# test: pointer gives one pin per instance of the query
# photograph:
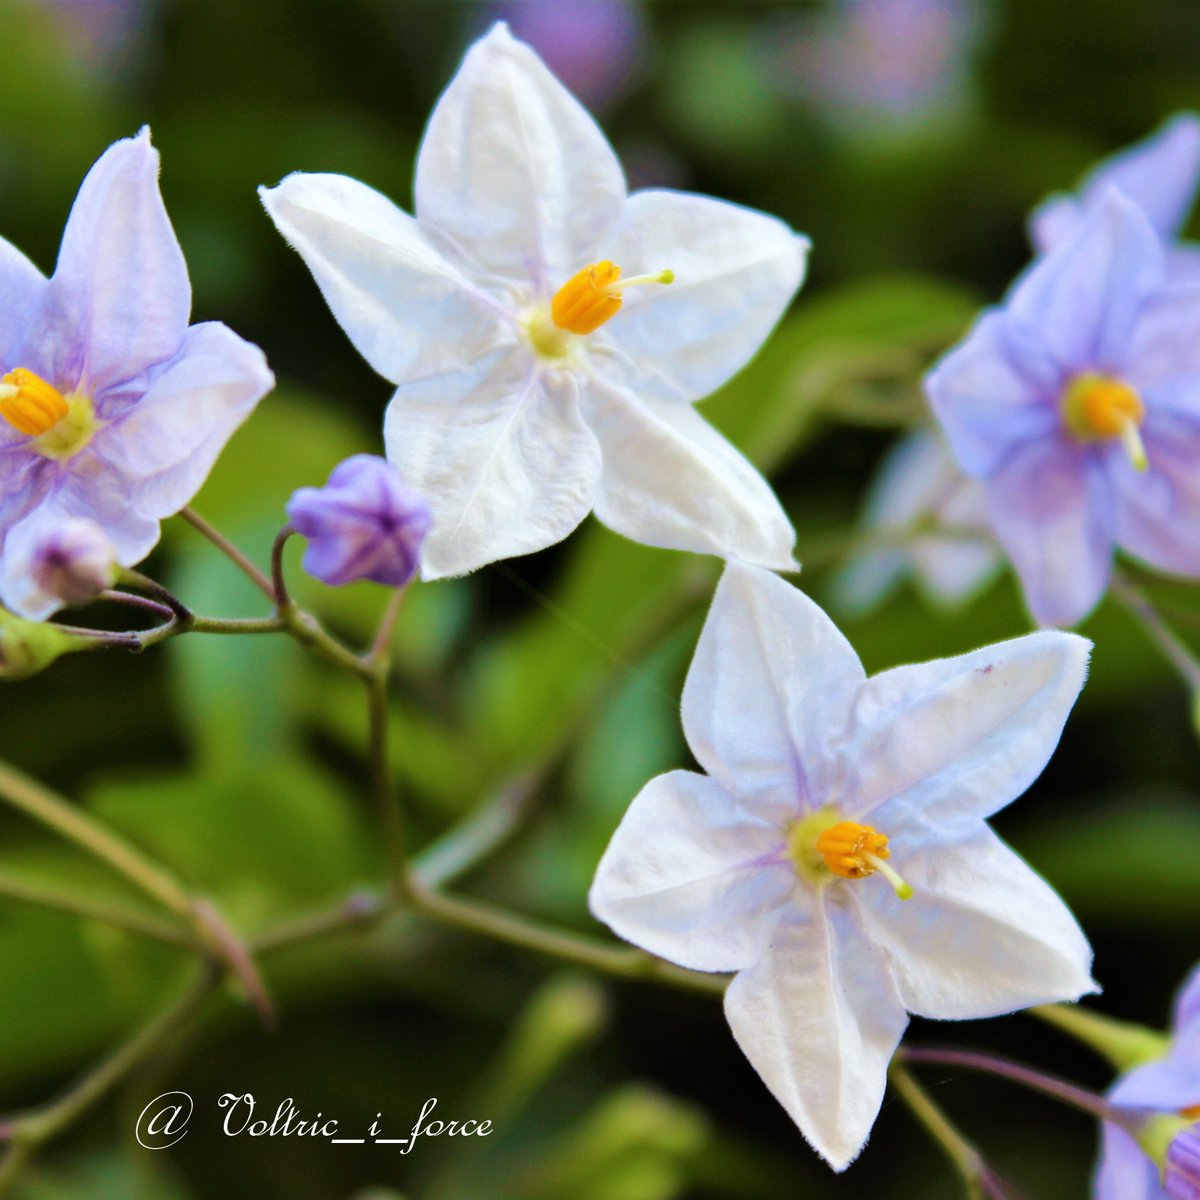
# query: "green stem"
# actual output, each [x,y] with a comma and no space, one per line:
[556,943]
[94,910]
[74,824]
[278,581]
[963,1155]
[1168,642]
[235,625]
[1124,1043]
[230,551]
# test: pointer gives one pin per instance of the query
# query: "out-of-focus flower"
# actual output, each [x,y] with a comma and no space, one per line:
[863,62]
[1160,175]
[102,36]
[1171,1086]
[938,518]
[543,366]
[365,523]
[595,47]
[818,779]
[61,565]
[1075,404]
[111,407]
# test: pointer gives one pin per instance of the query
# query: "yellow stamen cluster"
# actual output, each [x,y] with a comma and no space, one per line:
[821,845]
[592,296]
[1098,407]
[30,404]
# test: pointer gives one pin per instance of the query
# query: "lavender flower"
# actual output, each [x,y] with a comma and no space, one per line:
[112,407]
[1074,403]
[365,523]
[1170,1085]
[69,564]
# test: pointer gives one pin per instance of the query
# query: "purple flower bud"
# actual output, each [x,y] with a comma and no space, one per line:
[74,561]
[1182,1175]
[365,523]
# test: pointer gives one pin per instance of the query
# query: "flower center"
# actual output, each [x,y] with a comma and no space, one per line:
[62,425]
[1099,407]
[592,296]
[823,845]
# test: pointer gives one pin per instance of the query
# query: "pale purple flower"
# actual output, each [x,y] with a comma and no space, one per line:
[112,407]
[548,333]
[936,518]
[771,864]
[1076,404]
[1170,1085]
[594,46]
[65,564]
[1160,175]
[365,523]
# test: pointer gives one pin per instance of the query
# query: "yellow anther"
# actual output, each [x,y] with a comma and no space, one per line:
[855,851]
[1191,1113]
[592,296]
[1099,407]
[30,404]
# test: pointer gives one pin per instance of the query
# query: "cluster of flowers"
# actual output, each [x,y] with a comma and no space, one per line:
[537,381]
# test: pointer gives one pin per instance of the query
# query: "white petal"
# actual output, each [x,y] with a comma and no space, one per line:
[502,456]
[401,295]
[769,690]
[691,877]
[819,1019]
[166,444]
[670,479]
[983,934]
[515,170]
[935,744]
[736,271]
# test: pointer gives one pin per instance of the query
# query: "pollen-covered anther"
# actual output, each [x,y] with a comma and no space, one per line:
[594,295]
[30,404]
[1099,407]
[855,851]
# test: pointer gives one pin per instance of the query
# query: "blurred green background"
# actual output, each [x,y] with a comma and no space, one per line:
[911,160]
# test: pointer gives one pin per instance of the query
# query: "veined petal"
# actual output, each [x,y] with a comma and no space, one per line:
[165,444]
[932,745]
[819,1019]
[768,691]
[993,392]
[1052,510]
[690,876]
[1158,510]
[119,299]
[983,934]
[1124,1172]
[501,454]
[736,271]
[515,170]
[1159,174]
[670,479]
[393,286]
[1081,301]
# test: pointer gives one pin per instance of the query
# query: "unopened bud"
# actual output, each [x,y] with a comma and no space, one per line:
[74,562]
[27,647]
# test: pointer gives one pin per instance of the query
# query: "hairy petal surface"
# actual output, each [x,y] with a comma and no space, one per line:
[983,934]
[515,170]
[736,271]
[401,295]
[819,1019]
[691,876]
[119,299]
[504,460]
[936,744]
[670,479]
[769,689]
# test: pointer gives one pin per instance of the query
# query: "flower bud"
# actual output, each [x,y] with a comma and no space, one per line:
[74,562]
[365,523]
[27,647]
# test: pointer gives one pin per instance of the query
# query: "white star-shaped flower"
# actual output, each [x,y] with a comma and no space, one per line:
[547,332]
[836,854]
